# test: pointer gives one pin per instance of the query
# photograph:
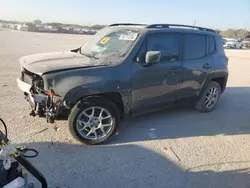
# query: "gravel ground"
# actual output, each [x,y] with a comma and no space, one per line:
[176,148]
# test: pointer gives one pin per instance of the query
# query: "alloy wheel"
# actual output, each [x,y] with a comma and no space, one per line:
[211,97]
[94,123]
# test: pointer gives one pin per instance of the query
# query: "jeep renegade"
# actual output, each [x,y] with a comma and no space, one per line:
[125,70]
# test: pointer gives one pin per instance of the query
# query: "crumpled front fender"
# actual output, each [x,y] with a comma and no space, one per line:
[75,94]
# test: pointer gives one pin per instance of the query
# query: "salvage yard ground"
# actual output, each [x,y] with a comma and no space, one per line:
[174,148]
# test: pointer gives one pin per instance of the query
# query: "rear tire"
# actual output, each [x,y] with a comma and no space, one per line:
[92,122]
[210,95]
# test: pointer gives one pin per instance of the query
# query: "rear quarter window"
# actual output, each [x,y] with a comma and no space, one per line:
[211,40]
[219,45]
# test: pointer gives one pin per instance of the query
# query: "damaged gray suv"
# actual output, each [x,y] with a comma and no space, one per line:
[125,70]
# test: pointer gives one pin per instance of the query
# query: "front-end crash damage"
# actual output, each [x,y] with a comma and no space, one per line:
[55,82]
[43,102]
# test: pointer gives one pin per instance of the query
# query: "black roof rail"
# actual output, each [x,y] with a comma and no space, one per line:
[178,25]
[126,24]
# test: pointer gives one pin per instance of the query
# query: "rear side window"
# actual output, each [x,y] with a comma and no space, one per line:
[194,46]
[219,46]
[211,44]
[167,43]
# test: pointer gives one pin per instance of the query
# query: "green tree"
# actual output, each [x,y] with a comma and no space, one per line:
[242,33]
[228,33]
[218,31]
[56,24]
[235,33]
[37,22]
[97,27]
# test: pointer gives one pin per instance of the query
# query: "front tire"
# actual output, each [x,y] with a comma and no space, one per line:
[209,98]
[94,120]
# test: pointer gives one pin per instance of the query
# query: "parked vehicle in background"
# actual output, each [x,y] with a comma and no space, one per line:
[246,43]
[224,41]
[51,29]
[78,31]
[13,26]
[125,70]
[5,25]
[41,28]
[48,28]
[69,29]
[232,43]
[92,32]
[85,31]
[60,29]
[31,27]
[22,27]
[89,32]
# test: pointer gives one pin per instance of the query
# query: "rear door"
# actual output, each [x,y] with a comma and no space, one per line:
[197,63]
[156,85]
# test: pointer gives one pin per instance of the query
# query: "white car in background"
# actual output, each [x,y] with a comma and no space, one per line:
[232,43]
[246,43]
[51,29]
[41,28]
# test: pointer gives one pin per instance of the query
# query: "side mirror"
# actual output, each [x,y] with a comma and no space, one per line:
[152,57]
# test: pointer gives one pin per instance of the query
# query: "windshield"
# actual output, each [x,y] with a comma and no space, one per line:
[109,42]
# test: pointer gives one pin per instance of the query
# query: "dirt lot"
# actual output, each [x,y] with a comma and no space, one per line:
[175,148]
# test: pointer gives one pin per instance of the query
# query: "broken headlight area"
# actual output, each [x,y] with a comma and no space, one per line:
[43,102]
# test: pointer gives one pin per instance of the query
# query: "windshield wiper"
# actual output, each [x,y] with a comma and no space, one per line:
[89,56]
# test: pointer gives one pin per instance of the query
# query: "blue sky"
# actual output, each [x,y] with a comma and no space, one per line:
[220,14]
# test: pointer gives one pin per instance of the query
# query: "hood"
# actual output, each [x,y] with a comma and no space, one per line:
[57,61]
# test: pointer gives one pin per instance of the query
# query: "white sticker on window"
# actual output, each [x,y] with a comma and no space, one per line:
[131,37]
[98,49]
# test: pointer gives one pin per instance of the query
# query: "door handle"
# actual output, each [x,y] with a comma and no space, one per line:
[207,66]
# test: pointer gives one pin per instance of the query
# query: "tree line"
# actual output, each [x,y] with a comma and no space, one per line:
[234,33]
[230,33]
[57,24]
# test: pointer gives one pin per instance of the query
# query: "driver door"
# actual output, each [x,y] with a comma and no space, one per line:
[156,86]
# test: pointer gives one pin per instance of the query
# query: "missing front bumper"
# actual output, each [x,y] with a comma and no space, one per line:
[31,97]
[41,103]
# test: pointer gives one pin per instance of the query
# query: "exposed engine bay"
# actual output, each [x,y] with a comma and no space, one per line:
[43,102]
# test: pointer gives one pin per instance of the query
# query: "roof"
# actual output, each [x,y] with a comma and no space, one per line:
[164,26]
